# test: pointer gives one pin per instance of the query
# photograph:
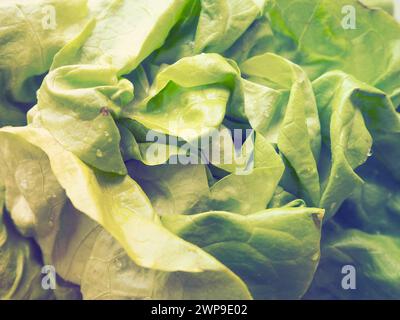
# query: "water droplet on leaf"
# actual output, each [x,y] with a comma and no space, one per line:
[99,153]
[118,264]
[24,184]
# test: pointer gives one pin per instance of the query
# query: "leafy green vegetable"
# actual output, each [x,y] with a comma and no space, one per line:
[124,208]
[364,235]
[30,41]
[374,257]
[20,275]
[323,44]
[237,15]
[298,125]
[199,149]
[260,247]
[352,114]
[94,60]
[185,106]
[60,102]
[123,279]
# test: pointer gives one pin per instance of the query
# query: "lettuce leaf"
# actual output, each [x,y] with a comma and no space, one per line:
[374,257]
[97,58]
[322,44]
[260,247]
[20,276]
[124,209]
[112,175]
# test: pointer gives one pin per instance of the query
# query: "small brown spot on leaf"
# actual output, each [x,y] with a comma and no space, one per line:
[317,220]
[104,111]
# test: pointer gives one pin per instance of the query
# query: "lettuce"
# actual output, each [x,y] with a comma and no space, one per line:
[199,149]
[27,49]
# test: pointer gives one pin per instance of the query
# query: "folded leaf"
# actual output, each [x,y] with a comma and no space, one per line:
[274,251]
[78,104]
[120,206]
[351,114]
[146,24]
[326,40]
[32,32]
[296,130]
[110,274]
[87,71]
[20,270]
[236,16]
[188,99]
[34,198]
[246,192]
[375,206]
[172,189]
[375,261]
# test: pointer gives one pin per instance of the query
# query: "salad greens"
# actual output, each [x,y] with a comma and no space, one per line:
[199,149]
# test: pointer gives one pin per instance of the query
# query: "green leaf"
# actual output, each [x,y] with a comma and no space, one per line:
[34,198]
[387,5]
[146,24]
[73,243]
[282,198]
[222,22]
[246,192]
[78,104]
[351,114]
[274,251]
[296,130]
[84,87]
[10,115]
[375,259]
[387,150]
[209,26]
[179,188]
[32,32]
[172,189]
[20,270]
[120,206]
[375,206]
[110,274]
[150,153]
[188,99]
[323,44]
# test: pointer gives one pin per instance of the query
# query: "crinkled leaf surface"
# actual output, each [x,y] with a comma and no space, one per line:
[32,32]
[322,43]
[120,206]
[351,114]
[296,130]
[375,258]
[20,269]
[87,70]
[261,248]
